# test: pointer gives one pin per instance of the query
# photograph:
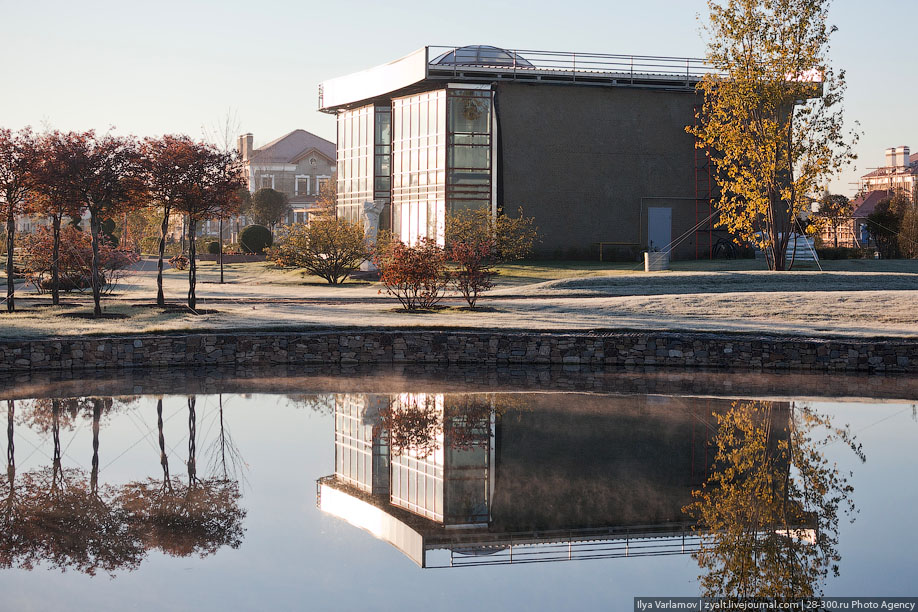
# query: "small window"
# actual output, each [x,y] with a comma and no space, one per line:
[267,181]
[301,186]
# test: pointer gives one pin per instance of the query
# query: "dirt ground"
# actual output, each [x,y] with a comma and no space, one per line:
[850,298]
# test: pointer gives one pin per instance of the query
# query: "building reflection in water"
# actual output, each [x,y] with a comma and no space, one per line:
[66,518]
[463,479]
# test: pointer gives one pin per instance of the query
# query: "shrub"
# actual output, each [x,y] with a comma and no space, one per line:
[179,262]
[416,275]
[830,253]
[255,239]
[74,261]
[213,247]
[328,247]
[473,274]
[513,237]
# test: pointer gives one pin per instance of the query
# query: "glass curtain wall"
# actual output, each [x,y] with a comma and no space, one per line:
[361,452]
[382,169]
[441,159]
[355,161]
[469,149]
[419,166]
[417,473]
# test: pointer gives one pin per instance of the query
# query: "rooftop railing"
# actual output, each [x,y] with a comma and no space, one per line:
[571,66]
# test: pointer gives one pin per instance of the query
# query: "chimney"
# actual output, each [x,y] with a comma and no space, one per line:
[891,157]
[902,154]
[244,146]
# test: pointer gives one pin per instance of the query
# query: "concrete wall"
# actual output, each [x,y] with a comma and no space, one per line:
[580,160]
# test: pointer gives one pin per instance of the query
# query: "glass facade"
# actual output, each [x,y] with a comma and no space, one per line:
[419,166]
[425,155]
[382,163]
[355,161]
[469,149]
[442,474]
[361,453]
[417,477]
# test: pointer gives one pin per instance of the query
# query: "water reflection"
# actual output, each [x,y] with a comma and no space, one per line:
[459,479]
[471,479]
[771,506]
[67,519]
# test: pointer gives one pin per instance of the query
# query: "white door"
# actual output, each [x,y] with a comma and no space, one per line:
[659,228]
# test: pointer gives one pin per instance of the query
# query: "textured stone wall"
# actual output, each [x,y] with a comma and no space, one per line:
[459,347]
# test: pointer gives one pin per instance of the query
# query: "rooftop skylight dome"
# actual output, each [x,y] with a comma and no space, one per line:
[482,55]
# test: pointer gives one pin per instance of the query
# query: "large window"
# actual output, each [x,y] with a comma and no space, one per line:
[382,163]
[355,161]
[419,166]
[441,159]
[469,152]
[361,454]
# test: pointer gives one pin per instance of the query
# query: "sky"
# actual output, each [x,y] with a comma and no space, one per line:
[161,67]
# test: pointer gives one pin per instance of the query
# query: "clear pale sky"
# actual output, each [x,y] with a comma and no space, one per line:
[172,67]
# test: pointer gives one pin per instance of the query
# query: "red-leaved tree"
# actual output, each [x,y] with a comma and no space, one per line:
[107,179]
[169,163]
[17,180]
[211,191]
[55,197]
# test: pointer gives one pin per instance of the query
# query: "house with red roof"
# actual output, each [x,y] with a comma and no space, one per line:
[298,164]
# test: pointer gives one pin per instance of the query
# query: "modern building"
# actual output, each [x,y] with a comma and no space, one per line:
[298,164]
[592,146]
[899,174]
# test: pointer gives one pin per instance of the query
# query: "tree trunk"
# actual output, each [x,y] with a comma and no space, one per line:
[95,227]
[163,458]
[10,286]
[10,447]
[56,468]
[164,229]
[192,266]
[836,236]
[222,438]
[192,442]
[55,256]
[96,419]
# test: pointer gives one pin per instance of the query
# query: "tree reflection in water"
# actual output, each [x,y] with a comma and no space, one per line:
[65,518]
[181,519]
[771,505]
[422,423]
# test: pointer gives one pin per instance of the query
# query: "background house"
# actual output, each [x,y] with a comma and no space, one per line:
[297,164]
[899,174]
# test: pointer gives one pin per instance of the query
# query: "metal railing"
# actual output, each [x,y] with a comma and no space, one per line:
[573,545]
[572,66]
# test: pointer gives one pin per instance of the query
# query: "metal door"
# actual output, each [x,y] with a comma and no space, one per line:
[659,228]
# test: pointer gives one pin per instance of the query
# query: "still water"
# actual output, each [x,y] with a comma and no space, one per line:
[427,489]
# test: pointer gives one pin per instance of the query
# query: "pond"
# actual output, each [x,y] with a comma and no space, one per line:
[416,488]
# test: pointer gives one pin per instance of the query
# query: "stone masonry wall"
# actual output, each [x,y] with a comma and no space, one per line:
[446,347]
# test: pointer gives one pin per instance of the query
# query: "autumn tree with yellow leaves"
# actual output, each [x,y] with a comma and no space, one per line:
[771,117]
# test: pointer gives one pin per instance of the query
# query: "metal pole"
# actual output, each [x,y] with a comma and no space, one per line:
[221,250]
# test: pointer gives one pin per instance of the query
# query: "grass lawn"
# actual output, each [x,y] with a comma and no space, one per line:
[848,298]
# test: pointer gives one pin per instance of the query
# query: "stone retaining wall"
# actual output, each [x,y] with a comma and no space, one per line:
[446,347]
